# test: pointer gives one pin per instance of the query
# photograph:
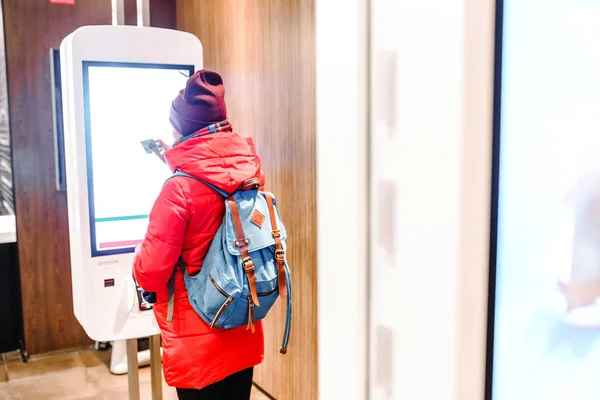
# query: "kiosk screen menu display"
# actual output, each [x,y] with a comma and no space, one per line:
[125,105]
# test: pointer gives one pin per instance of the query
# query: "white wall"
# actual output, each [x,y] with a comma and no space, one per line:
[429,170]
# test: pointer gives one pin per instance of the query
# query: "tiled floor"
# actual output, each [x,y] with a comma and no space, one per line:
[80,375]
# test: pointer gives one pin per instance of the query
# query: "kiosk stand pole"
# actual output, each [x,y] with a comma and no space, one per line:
[143,12]
[143,19]
[118,12]
[155,367]
[133,373]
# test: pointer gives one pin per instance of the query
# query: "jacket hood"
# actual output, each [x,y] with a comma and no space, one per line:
[224,159]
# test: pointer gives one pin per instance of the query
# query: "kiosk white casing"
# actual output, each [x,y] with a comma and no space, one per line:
[107,312]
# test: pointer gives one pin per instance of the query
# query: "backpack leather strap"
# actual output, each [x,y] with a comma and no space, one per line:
[242,244]
[279,251]
[250,184]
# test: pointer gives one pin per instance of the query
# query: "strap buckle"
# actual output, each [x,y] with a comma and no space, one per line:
[245,261]
[276,234]
[280,255]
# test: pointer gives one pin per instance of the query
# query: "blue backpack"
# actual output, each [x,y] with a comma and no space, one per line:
[245,269]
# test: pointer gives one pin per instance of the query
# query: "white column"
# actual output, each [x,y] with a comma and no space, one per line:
[341,100]
[425,154]
[432,69]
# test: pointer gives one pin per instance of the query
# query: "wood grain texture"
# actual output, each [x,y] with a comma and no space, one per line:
[265,51]
[130,11]
[32,28]
[163,14]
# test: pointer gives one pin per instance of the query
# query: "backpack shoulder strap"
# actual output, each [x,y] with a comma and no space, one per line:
[171,288]
[210,185]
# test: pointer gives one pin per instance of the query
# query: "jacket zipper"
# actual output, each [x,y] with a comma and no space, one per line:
[224,306]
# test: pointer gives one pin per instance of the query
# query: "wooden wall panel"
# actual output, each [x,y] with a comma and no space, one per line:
[163,14]
[265,51]
[32,28]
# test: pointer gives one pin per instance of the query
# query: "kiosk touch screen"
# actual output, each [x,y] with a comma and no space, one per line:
[125,104]
[546,280]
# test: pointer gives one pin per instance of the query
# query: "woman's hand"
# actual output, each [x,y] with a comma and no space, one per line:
[160,148]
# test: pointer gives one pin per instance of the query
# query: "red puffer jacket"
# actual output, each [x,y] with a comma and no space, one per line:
[183,221]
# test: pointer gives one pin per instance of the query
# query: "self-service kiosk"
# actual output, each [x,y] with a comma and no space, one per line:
[117,86]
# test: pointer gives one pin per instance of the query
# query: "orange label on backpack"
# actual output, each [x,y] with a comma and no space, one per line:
[257,218]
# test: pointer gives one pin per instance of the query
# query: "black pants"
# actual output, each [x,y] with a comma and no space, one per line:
[235,387]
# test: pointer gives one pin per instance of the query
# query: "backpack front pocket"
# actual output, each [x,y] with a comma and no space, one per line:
[221,310]
[267,300]
[246,313]
[212,301]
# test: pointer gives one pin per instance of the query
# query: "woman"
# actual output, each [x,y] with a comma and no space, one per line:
[201,363]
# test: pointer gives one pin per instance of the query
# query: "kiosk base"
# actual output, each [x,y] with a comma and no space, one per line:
[118,359]
[126,359]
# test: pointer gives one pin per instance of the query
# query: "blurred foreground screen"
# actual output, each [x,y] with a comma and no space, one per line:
[547,304]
